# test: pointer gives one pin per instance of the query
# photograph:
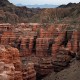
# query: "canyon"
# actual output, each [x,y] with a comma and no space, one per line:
[39,44]
[31,51]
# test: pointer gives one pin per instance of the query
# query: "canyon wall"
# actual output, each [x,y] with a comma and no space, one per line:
[29,49]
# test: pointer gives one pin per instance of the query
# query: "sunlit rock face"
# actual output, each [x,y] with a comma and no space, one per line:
[8,38]
[7,71]
[11,66]
[43,46]
[33,49]
[11,63]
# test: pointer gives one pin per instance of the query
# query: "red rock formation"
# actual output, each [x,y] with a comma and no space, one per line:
[10,55]
[24,47]
[7,38]
[31,71]
[49,33]
[69,45]
[45,66]
[57,41]
[6,71]
[75,41]
[6,27]
[48,43]
[31,44]
[12,65]
[42,46]
[35,27]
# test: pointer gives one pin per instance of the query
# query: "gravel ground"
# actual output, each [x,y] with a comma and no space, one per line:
[70,73]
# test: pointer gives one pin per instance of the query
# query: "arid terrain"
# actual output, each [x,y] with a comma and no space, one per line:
[9,13]
[39,44]
[30,51]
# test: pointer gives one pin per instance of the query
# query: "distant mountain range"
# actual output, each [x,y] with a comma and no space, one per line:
[39,6]
[10,13]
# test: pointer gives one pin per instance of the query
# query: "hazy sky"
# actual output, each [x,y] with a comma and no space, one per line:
[55,2]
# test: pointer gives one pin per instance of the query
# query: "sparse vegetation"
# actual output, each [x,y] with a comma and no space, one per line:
[10,13]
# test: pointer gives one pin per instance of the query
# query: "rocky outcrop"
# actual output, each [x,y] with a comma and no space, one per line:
[43,46]
[5,3]
[70,73]
[44,67]
[37,50]
[12,67]
[10,57]
[7,71]
[8,38]
[49,33]
[57,43]
[29,72]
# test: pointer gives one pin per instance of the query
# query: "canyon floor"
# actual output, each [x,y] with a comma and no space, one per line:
[70,73]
